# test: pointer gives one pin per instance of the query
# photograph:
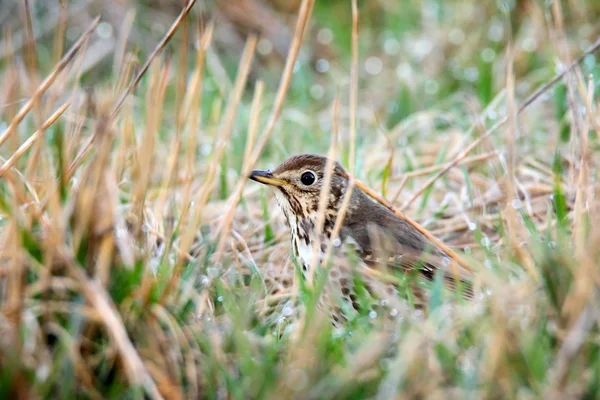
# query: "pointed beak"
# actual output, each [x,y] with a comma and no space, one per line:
[266,177]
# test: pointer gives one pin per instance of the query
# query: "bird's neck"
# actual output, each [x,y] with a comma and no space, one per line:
[302,222]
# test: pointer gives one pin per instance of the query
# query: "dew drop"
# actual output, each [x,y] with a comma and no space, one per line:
[264,46]
[471,74]
[322,65]
[403,72]
[104,30]
[372,314]
[391,46]
[423,47]
[287,311]
[373,65]
[325,35]
[496,31]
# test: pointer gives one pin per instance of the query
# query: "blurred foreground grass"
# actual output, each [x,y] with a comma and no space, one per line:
[144,266]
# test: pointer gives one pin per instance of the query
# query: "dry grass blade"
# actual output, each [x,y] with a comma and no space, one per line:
[513,225]
[133,84]
[58,68]
[32,139]
[325,190]
[582,196]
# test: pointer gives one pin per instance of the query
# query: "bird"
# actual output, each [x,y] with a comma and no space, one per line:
[381,239]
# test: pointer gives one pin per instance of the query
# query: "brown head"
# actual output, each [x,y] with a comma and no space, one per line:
[298,182]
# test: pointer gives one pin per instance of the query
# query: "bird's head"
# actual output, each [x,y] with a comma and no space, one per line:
[298,182]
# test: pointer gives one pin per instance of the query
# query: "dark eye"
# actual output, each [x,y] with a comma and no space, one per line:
[308,178]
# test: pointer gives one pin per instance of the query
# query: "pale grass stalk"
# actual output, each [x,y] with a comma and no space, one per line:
[353,88]
[121,46]
[591,107]
[180,83]
[131,87]
[528,101]
[195,111]
[167,177]
[58,46]
[93,185]
[31,60]
[514,227]
[107,242]
[221,142]
[32,139]
[325,191]
[41,89]
[340,217]
[400,188]
[11,95]
[253,124]
[581,197]
[225,226]
[125,74]
[127,145]
[584,286]
[145,154]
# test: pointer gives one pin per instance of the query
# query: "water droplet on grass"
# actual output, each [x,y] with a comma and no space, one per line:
[391,46]
[264,46]
[322,65]
[373,65]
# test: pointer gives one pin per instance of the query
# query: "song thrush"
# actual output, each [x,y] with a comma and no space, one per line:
[381,239]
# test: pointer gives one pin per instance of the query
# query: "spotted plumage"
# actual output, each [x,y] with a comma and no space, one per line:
[381,239]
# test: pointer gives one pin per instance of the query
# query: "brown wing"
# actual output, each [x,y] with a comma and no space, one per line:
[403,247]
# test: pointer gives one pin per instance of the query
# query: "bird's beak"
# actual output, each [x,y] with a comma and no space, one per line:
[266,177]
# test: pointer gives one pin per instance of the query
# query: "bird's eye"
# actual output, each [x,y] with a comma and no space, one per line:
[308,178]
